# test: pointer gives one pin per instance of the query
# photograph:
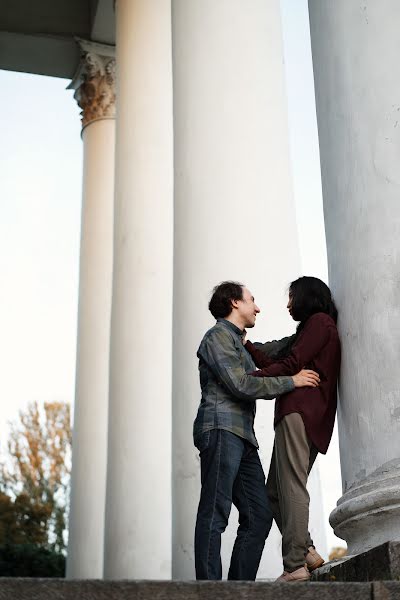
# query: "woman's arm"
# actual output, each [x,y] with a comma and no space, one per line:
[274,348]
[261,360]
[312,339]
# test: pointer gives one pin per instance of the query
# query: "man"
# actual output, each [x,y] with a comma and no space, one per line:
[223,432]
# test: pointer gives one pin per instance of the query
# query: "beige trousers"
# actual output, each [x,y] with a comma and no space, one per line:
[292,459]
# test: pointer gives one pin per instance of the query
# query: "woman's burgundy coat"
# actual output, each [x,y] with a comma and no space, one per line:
[317,348]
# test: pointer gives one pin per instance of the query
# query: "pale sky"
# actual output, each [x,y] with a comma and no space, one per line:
[40,199]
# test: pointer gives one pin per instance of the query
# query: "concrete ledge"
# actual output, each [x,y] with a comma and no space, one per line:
[381,563]
[56,589]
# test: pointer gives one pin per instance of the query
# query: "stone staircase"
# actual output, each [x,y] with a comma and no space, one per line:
[60,589]
[372,575]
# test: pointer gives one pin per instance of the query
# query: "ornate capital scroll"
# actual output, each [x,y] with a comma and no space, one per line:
[94,82]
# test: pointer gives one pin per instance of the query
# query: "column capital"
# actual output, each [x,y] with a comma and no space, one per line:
[94,81]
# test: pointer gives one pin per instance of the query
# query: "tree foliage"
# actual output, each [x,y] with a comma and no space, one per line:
[22,521]
[29,560]
[35,477]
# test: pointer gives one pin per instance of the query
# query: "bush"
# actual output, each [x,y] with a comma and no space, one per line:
[29,560]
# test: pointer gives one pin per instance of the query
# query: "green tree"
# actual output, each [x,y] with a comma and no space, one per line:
[24,540]
[29,560]
[36,474]
[22,521]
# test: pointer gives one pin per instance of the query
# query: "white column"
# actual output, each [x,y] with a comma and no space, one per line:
[356,49]
[95,94]
[234,215]
[138,507]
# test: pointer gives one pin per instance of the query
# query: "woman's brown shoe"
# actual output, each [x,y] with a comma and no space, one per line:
[313,559]
[301,574]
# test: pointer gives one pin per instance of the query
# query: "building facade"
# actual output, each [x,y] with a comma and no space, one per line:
[186,183]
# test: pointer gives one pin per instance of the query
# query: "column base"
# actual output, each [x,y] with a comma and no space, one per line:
[368,514]
[378,564]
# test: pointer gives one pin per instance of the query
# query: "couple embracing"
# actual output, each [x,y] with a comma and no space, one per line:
[301,372]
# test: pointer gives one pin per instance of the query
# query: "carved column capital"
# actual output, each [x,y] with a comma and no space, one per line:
[94,82]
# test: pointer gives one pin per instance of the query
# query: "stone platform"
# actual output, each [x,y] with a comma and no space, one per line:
[379,563]
[56,589]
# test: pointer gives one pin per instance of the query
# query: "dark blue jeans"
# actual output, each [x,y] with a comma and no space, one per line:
[231,471]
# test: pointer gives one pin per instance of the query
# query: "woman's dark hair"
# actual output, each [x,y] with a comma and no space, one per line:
[220,304]
[310,295]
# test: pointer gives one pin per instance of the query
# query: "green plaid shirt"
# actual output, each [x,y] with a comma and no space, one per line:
[228,394]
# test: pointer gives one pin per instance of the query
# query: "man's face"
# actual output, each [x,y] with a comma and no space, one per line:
[247,309]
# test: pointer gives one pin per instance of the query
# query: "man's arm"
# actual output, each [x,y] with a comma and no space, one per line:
[218,351]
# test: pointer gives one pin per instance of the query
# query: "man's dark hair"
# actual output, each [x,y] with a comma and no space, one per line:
[310,295]
[220,304]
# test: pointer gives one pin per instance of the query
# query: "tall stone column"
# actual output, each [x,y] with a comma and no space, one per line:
[356,49]
[234,215]
[95,94]
[138,507]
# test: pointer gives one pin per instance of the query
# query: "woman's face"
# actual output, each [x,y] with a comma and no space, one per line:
[289,305]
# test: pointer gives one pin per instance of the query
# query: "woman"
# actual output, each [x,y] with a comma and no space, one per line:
[304,418]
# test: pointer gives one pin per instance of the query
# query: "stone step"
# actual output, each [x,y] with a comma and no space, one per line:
[60,589]
[377,564]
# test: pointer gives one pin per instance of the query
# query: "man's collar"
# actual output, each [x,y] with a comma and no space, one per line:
[231,326]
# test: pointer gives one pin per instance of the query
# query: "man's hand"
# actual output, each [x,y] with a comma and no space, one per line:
[306,378]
